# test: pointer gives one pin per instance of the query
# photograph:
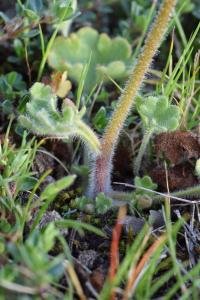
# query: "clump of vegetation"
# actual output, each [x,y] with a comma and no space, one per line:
[99,196]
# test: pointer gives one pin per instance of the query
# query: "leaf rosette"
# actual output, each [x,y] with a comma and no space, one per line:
[158,114]
[108,56]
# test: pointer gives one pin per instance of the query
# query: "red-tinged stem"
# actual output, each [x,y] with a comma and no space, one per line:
[116,234]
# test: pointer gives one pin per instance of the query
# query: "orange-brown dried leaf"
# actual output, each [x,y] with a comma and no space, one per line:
[97,278]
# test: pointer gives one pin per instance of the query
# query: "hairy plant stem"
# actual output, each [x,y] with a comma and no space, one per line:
[88,136]
[142,150]
[100,180]
[191,192]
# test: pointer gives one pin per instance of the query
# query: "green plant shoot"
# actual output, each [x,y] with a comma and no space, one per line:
[42,117]
[157,116]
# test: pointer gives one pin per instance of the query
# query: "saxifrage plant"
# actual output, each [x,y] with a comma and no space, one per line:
[44,118]
[157,116]
[107,56]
